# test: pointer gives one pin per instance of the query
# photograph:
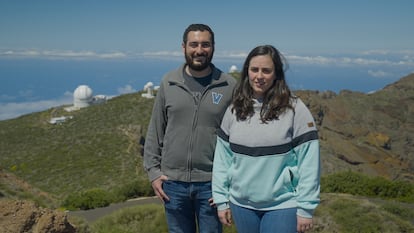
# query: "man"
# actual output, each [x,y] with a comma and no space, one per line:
[181,138]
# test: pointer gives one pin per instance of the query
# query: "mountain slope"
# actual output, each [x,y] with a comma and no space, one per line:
[369,133]
[100,146]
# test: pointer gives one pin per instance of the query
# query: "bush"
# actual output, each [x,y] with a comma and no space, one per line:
[90,199]
[359,184]
[95,198]
[137,188]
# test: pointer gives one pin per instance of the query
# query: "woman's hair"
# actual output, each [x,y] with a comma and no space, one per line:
[276,100]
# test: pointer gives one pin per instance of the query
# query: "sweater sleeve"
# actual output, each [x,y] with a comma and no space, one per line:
[155,137]
[306,147]
[221,165]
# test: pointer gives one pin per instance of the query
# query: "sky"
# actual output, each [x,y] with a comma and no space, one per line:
[155,25]
[376,37]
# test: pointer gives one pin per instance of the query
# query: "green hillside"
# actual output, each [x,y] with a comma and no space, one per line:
[98,148]
[366,152]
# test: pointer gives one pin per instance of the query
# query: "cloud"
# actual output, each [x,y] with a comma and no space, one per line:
[7,98]
[388,52]
[12,109]
[26,94]
[365,58]
[163,54]
[126,89]
[231,54]
[59,54]
[320,60]
[378,73]
[376,52]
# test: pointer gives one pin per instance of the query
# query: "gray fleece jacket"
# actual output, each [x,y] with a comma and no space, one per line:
[181,136]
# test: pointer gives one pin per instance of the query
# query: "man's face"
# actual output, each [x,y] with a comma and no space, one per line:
[198,50]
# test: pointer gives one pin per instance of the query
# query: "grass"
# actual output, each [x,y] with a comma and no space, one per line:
[138,219]
[357,214]
[337,213]
[98,148]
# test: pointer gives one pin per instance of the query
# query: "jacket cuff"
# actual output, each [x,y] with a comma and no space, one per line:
[223,206]
[304,213]
[154,173]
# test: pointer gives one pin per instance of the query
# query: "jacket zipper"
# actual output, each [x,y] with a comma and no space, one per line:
[197,103]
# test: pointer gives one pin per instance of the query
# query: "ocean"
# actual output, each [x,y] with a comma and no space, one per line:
[33,80]
[29,85]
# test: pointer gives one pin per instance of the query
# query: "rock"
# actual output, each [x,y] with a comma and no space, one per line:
[19,216]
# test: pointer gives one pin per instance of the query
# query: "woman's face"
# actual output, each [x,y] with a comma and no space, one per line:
[261,75]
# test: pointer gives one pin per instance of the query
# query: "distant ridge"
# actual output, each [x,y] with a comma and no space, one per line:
[369,133]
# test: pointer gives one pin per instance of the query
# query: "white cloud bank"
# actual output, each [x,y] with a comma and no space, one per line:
[13,110]
[126,89]
[366,58]
[378,73]
[57,54]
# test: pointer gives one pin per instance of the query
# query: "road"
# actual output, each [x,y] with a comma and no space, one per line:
[95,214]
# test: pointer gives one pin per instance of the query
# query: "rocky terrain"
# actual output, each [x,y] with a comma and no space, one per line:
[24,216]
[369,133]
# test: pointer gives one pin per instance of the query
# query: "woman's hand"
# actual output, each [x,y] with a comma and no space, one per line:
[225,217]
[304,224]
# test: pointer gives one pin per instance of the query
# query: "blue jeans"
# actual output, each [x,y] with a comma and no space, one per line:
[272,221]
[189,206]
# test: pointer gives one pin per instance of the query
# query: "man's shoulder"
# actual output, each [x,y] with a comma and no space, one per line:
[172,75]
[225,76]
[230,79]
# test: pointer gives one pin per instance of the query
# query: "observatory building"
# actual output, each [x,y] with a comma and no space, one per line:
[233,69]
[82,97]
[149,90]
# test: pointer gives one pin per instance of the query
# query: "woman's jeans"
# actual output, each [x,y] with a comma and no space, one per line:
[189,205]
[255,221]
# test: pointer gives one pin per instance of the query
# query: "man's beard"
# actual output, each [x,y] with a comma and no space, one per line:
[198,66]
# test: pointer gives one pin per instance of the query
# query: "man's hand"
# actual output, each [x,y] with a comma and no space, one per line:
[225,217]
[211,202]
[157,186]
[304,224]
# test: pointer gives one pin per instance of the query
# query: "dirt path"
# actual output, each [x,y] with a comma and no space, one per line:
[94,214]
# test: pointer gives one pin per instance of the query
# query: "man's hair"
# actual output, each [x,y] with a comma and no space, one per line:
[197,27]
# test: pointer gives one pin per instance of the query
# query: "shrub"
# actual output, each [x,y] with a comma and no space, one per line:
[89,199]
[359,184]
[137,188]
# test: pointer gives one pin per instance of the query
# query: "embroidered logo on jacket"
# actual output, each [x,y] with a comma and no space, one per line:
[216,97]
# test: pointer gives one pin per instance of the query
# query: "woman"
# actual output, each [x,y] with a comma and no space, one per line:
[266,168]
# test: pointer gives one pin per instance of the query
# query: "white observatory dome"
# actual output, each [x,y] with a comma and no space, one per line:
[82,97]
[233,69]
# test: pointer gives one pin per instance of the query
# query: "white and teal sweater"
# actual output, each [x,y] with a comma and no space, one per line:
[268,166]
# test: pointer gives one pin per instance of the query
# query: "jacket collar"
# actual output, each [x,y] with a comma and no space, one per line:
[179,79]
